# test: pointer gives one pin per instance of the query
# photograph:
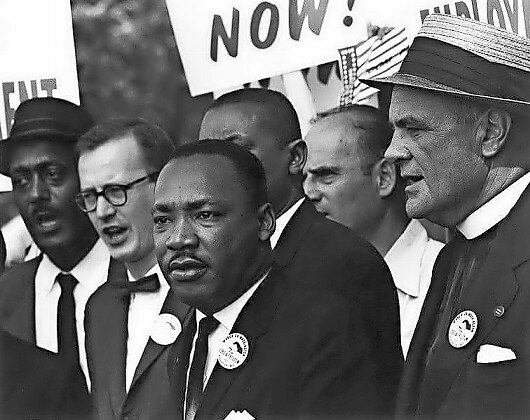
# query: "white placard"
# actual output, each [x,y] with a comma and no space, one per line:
[225,43]
[37,54]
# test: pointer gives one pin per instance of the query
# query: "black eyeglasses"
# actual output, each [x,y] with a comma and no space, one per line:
[115,194]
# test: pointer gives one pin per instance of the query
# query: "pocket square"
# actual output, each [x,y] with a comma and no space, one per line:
[488,353]
[239,415]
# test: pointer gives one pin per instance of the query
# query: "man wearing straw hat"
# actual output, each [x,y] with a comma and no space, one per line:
[460,106]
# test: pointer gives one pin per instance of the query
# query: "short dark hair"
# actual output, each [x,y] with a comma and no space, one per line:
[278,110]
[155,144]
[246,164]
[374,124]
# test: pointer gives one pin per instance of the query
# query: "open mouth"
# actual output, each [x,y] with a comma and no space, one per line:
[186,269]
[45,220]
[114,234]
[411,180]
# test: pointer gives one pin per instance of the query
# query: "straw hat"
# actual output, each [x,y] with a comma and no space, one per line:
[467,58]
[49,118]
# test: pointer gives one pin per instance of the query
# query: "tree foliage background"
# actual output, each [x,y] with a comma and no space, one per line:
[128,65]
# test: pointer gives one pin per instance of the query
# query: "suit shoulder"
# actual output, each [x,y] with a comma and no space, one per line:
[13,276]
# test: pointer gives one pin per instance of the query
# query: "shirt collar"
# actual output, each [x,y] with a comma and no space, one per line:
[402,258]
[88,272]
[282,221]
[155,269]
[228,315]
[493,211]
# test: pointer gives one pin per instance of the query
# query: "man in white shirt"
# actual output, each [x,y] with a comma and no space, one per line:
[348,179]
[42,301]
[262,347]
[459,107]
[312,251]
[118,165]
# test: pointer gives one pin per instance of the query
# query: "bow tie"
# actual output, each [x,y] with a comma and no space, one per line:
[145,284]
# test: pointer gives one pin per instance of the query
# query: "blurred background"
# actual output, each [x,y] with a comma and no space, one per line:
[128,65]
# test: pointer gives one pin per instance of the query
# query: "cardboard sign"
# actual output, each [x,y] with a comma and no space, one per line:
[512,15]
[37,54]
[225,43]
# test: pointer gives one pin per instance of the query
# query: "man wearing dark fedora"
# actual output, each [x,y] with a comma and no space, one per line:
[42,356]
[460,106]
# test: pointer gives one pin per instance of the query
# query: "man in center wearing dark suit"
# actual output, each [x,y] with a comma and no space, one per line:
[132,320]
[312,251]
[262,348]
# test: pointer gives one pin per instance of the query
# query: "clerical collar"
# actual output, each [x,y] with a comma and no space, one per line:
[493,211]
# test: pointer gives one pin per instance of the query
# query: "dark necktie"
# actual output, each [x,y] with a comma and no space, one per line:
[66,325]
[147,284]
[76,392]
[195,381]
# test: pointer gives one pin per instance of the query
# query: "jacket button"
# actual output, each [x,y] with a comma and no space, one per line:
[498,311]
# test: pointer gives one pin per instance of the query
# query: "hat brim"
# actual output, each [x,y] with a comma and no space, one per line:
[409,80]
[45,133]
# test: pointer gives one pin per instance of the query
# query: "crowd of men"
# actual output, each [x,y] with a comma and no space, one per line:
[258,274]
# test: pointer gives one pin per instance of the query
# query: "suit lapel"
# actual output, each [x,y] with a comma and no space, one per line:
[253,322]
[294,233]
[153,350]
[20,320]
[495,285]
[114,335]
[179,358]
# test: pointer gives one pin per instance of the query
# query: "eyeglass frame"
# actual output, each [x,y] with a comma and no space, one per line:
[125,187]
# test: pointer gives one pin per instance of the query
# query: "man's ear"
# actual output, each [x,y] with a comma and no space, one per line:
[297,156]
[384,176]
[494,126]
[267,221]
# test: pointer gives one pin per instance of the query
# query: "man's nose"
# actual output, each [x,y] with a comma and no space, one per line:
[311,189]
[397,151]
[39,189]
[182,235]
[104,210]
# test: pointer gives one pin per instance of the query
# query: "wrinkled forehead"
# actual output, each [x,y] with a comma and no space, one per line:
[200,177]
[31,153]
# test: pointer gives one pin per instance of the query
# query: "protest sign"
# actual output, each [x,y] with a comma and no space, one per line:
[512,15]
[37,54]
[225,43]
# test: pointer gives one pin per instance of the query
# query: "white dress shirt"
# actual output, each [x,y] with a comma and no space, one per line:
[144,308]
[227,318]
[493,211]
[411,259]
[91,272]
[281,222]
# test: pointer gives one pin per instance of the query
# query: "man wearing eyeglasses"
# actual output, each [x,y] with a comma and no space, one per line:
[132,322]
[43,369]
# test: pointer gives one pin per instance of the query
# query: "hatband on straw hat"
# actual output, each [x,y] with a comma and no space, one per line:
[467,58]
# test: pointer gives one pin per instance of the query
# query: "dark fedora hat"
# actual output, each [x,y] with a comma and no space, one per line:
[44,118]
[463,57]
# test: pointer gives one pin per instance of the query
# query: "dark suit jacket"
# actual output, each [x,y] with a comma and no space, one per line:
[307,358]
[315,252]
[106,340]
[454,384]
[32,380]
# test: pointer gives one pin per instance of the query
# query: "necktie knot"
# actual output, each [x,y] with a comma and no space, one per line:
[207,325]
[67,283]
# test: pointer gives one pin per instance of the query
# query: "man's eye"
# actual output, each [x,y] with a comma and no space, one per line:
[160,220]
[53,173]
[206,215]
[20,181]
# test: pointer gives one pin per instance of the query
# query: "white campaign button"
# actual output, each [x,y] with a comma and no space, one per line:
[166,329]
[233,351]
[462,329]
